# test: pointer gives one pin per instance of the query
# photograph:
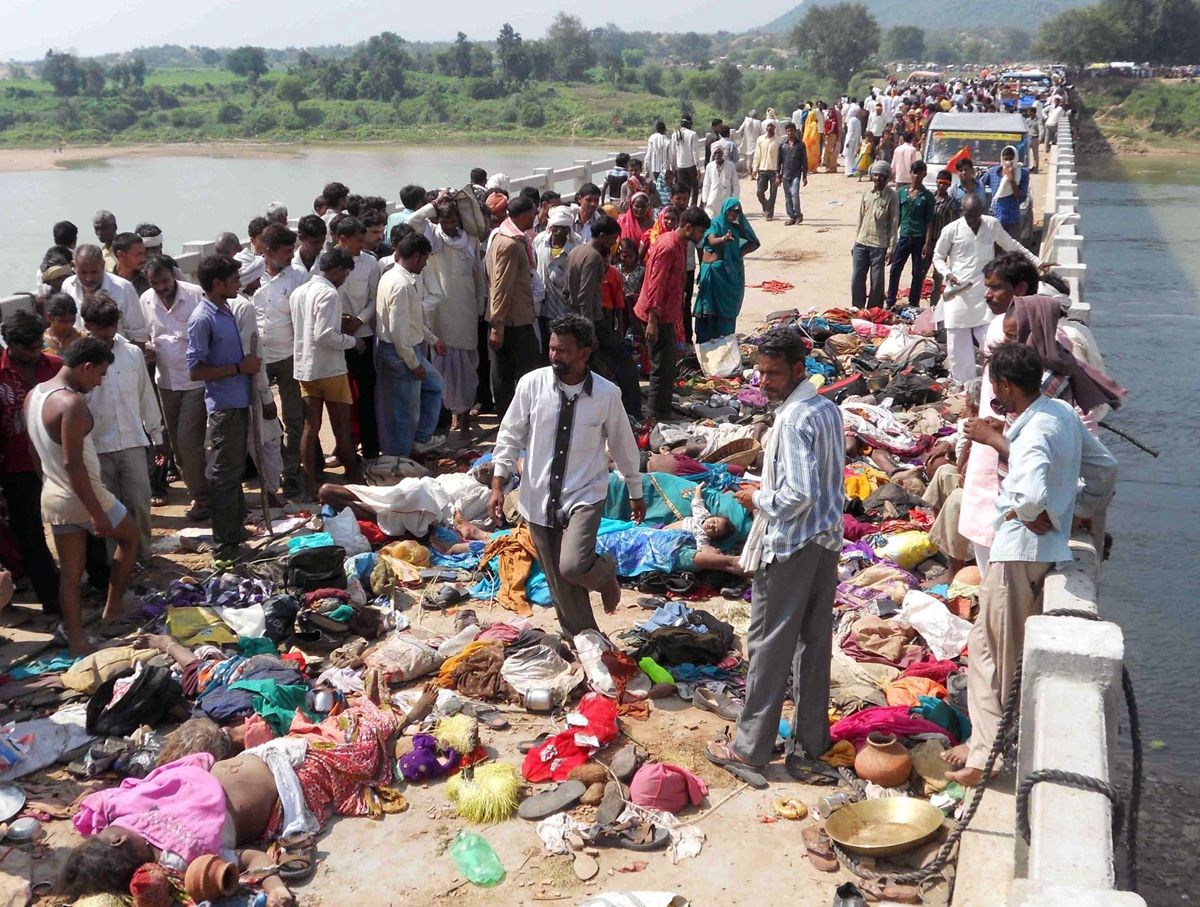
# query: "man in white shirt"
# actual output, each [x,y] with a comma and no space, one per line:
[168,305]
[750,130]
[684,160]
[124,410]
[321,338]
[656,150]
[962,250]
[568,420]
[273,312]
[358,303]
[310,242]
[1048,450]
[1053,118]
[409,394]
[720,182]
[877,120]
[905,155]
[90,277]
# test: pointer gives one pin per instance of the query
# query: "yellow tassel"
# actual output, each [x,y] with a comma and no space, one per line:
[459,732]
[485,793]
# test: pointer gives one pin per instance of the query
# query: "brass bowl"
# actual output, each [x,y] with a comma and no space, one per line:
[880,828]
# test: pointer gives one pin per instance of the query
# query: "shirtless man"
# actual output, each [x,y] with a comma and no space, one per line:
[74,500]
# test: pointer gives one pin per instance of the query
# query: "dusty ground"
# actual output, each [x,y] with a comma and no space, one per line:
[747,859]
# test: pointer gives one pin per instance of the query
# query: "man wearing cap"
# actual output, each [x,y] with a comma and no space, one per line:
[551,247]
[878,226]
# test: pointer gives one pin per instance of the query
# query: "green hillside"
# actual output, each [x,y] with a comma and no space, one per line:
[934,15]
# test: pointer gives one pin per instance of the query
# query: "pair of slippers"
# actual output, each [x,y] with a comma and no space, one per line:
[446,597]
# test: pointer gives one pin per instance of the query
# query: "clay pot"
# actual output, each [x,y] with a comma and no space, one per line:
[209,877]
[883,761]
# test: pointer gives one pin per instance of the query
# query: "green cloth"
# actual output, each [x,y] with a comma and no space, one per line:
[274,702]
[916,210]
[668,500]
[342,614]
[260,645]
[723,282]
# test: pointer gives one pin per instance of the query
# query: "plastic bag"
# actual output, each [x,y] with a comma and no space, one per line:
[721,357]
[402,658]
[589,646]
[944,633]
[343,528]
[539,667]
[907,549]
[895,344]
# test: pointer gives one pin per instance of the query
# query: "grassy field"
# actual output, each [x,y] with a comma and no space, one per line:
[209,105]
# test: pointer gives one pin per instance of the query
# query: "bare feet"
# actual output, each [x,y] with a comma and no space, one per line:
[957,756]
[610,597]
[967,777]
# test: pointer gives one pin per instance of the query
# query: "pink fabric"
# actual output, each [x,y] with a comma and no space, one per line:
[503,633]
[630,228]
[885,719]
[508,228]
[591,726]
[854,529]
[981,484]
[179,807]
[934,670]
[666,787]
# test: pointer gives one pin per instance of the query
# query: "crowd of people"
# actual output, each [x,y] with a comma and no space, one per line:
[547,312]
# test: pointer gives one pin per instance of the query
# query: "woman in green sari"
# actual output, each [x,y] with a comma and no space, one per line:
[723,273]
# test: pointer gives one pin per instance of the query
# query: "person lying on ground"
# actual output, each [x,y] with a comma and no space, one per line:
[703,525]
[200,805]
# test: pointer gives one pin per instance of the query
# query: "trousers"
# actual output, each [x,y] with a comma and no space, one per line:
[124,473]
[768,186]
[791,197]
[907,248]
[23,494]
[408,407]
[361,367]
[573,568]
[518,355]
[282,374]
[229,432]
[615,358]
[1010,594]
[960,351]
[791,629]
[662,371]
[187,424]
[864,259]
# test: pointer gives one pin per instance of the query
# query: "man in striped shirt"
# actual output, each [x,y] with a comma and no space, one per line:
[793,550]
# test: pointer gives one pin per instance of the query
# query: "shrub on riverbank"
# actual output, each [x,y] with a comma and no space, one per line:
[1145,109]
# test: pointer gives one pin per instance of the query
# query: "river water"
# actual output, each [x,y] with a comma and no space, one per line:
[1143,257]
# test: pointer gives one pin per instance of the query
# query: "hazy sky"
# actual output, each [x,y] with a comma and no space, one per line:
[88,27]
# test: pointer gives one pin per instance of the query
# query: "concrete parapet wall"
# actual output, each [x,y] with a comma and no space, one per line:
[1071,691]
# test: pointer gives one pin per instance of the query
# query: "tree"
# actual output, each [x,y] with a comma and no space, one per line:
[247,61]
[137,70]
[511,58]
[1082,36]
[291,89]
[572,46]
[461,56]
[904,42]
[727,92]
[93,79]
[63,72]
[837,40]
[614,70]
[209,57]
[652,78]
[1175,32]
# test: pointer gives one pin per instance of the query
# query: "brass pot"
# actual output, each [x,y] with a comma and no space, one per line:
[881,827]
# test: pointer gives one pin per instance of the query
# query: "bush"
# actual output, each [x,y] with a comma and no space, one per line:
[311,116]
[532,115]
[119,118]
[485,89]
[229,113]
[263,121]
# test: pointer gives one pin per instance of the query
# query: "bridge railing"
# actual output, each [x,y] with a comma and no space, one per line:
[1071,694]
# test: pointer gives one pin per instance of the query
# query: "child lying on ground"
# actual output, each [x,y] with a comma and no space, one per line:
[704,527]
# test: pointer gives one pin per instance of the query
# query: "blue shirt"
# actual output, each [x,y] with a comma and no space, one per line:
[214,339]
[808,495]
[959,193]
[1007,210]
[1049,450]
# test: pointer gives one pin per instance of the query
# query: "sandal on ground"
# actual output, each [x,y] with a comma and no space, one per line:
[445,597]
[486,714]
[720,753]
[158,500]
[526,745]
[555,800]
[644,836]
[651,602]
[820,850]
[811,771]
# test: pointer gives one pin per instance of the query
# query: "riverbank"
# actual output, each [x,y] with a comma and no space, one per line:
[18,160]
[1145,117]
